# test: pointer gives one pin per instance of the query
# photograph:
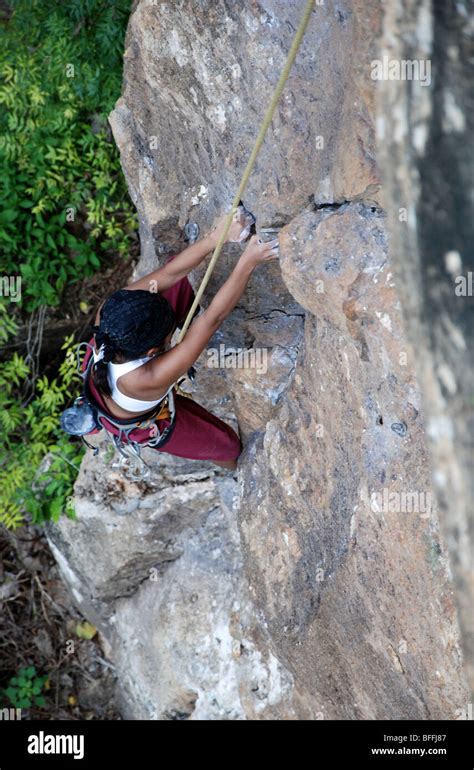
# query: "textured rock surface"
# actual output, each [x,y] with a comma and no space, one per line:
[157,567]
[198,77]
[343,577]
[425,154]
[301,588]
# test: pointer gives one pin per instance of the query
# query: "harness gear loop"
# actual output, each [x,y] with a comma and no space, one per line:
[258,143]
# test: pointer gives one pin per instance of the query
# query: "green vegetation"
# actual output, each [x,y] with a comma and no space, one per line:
[24,690]
[30,435]
[64,211]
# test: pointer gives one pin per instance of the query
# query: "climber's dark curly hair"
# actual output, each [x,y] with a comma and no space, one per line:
[131,322]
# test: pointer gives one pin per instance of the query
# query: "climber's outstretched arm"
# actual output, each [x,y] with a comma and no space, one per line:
[171,365]
[164,277]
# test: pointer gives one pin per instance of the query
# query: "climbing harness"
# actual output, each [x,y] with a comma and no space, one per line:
[86,416]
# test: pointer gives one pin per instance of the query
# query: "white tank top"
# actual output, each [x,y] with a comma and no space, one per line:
[126,402]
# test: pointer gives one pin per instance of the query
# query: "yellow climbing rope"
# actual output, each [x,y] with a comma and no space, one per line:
[258,143]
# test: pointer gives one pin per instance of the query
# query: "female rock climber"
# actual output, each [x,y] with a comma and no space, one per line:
[134,369]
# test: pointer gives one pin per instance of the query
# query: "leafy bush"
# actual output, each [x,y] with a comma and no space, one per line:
[64,209]
[30,438]
[63,200]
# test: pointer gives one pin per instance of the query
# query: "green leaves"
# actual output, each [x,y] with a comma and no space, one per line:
[64,209]
[25,690]
[57,78]
[30,434]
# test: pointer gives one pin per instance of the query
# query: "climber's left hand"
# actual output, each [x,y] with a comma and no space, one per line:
[237,231]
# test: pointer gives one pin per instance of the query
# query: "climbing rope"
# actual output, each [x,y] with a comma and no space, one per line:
[258,143]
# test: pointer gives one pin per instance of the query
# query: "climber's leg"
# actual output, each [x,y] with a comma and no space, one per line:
[200,435]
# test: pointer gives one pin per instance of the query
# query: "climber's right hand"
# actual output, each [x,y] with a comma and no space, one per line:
[260,251]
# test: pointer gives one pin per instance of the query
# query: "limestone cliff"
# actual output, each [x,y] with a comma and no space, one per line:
[303,586]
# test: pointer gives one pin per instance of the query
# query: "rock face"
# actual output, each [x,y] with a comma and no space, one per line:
[425,155]
[157,567]
[313,584]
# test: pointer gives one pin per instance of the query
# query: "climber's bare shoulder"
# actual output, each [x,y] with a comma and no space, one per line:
[166,368]
[153,379]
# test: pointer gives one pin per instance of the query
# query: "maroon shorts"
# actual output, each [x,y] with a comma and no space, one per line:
[197,433]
